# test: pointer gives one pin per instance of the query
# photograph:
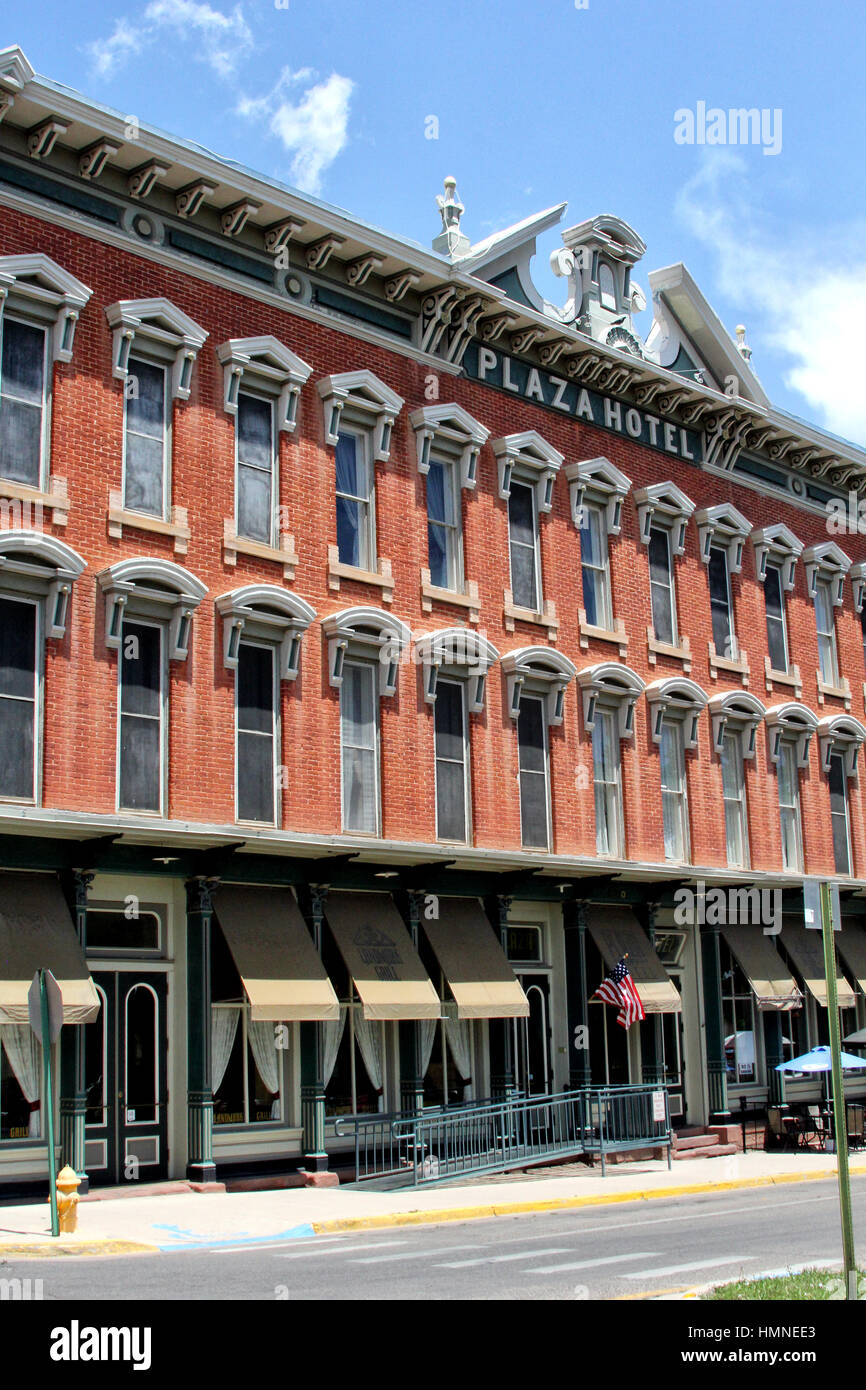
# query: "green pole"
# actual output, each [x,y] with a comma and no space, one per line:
[840,1124]
[48,1103]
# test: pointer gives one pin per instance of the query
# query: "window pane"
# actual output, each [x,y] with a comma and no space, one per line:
[255,689]
[255,747]
[839,814]
[533,773]
[774,601]
[530,736]
[17,720]
[450,762]
[255,777]
[349,532]
[140,676]
[22,381]
[145,471]
[448,715]
[440,499]
[523,588]
[521,523]
[23,369]
[437,551]
[139,763]
[521,514]
[17,697]
[661,586]
[254,504]
[350,466]
[140,670]
[145,405]
[720,604]
[17,648]
[673,792]
[450,801]
[255,432]
[358,733]
[20,441]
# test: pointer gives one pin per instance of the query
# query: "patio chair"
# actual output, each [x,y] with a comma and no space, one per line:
[778,1130]
[855,1126]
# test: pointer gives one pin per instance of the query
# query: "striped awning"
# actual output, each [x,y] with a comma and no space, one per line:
[773,986]
[279,966]
[805,946]
[617,933]
[473,962]
[380,957]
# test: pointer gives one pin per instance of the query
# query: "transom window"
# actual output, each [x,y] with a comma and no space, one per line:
[594,566]
[146,438]
[533,773]
[356,529]
[256,693]
[23,396]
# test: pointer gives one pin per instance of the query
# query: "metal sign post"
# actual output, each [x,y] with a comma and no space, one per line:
[829,922]
[45,1007]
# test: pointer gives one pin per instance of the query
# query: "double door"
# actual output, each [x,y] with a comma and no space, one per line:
[125,1061]
[533,1066]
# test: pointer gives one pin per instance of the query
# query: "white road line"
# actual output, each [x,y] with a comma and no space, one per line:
[500,1259]
[413,1255]
[669,1220]
[267,1247]
[694,1264]
[345,1249]
[591,1264]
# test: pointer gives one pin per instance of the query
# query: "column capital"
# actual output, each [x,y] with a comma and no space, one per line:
[199,894]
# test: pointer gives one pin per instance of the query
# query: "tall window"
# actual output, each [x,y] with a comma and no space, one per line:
[839,814]
[674,802]
[607,784]
[532,764]
[721,608]
[355,511]
[23,384]
[443,528]
[594,563]
[145,438]
[825,622]
[255,468]
[18,691]
[142,690]
[452,764]
[789,808]
[523,543]
[662,586]
[777,632]
[256,733]
[247,1067]
[734,796]
[738,1012]
[359,744]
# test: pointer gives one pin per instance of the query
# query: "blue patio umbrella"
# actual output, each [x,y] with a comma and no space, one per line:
[819,1060]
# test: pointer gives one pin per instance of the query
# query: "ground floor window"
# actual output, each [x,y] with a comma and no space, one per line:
[446,1045]
[247,1055]
[738,1011]
[608,1042]
[20,1082]
[354,1063]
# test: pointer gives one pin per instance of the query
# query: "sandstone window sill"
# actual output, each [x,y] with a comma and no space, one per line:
[655,649]
[545,617]
[337,572]
[119,516]
[590,633]
[740,667]
[791,679]
[833,692]
[34,499]
[431,593]
[235,545]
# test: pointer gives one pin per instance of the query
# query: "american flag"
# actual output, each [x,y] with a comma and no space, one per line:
[619,988]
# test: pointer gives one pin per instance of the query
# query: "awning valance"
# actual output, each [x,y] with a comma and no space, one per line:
[473,962]
[851,941]
[279,966]
[771,984]
[806,948]
[617,933]
[380,957]
[37,932]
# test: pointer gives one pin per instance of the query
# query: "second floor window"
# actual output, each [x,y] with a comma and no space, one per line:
[359,748]
[720,605]
[594,564]
[607,785]
[662,586]
[734,796]
[452,763]
[523,543]
[356,531]
[256,488]
[18,699]
[777,632]
[145,438]
[674,800]
[789,808]
[828,662]
[839,814]
[23,383]
[142,699]
[443,528]
[533,774]
[256,734]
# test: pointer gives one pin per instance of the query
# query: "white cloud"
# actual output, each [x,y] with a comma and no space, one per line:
[107,55]
[313,128]
[220,40]
[804,294]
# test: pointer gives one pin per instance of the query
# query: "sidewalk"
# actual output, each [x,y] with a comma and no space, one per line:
[190,1220]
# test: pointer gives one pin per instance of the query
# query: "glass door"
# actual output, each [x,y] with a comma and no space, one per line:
[125,1076]
[532,1050]
[674,1059]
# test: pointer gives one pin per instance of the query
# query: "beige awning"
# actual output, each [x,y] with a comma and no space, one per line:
[37,933]
[278,963]
[772,985]
[380,957]
[617,933]
[805,946]
[851,941]
[474,963]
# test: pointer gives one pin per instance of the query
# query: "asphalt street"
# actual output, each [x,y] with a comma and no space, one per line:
[610,1252]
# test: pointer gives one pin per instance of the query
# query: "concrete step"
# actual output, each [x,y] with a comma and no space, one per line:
[710,1151]
[701,1140]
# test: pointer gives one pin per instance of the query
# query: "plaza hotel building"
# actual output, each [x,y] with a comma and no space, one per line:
[383,648]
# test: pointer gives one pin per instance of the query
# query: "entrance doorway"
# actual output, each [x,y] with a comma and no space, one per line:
[674,1057]
[125,1064]
[532,1050]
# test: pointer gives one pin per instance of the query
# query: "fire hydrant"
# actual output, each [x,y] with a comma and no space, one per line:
[68,1183]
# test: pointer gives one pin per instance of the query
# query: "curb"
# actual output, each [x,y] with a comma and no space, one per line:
[94,1247]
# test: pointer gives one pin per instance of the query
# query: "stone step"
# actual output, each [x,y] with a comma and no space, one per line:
[710,1151]
[701,1140]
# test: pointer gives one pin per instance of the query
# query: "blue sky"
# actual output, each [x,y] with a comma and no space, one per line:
[537,102]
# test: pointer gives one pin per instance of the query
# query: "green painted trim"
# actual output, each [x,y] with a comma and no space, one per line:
[221,255]
[360,309]
[56,192]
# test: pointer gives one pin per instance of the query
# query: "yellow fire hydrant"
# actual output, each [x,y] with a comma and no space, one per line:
[68,1183]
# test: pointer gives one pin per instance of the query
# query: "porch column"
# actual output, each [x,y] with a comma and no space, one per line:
[200,1166]
[73,1091]
[312,1052]
[502,1081]
[651,1035]
[717,1071]
[577,994]
[774,1053]
[411,1080]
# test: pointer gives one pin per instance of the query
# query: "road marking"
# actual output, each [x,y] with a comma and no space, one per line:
[414,1255]
[721,1210]
[694,1264]
[591,1264]
[500,1259]
[346,1249]
[312,1242]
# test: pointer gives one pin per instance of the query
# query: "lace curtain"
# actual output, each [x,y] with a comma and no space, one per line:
[267,1059]
[426,1037]
[333,1036]
[458,1032]
[25,1059]
[223,1030]
[369,1039]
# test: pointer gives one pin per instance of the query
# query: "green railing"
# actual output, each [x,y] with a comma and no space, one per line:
[442,1144]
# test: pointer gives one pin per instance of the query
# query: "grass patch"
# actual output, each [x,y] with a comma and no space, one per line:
[819,1285]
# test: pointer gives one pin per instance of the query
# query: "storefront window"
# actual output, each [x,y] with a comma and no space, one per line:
[608,1041]
[738,1008]
[246,1059]
[20,1083]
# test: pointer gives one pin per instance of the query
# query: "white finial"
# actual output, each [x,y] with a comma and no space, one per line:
[450,241]
[742,346]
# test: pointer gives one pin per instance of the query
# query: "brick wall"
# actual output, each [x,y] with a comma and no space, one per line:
[80,687]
